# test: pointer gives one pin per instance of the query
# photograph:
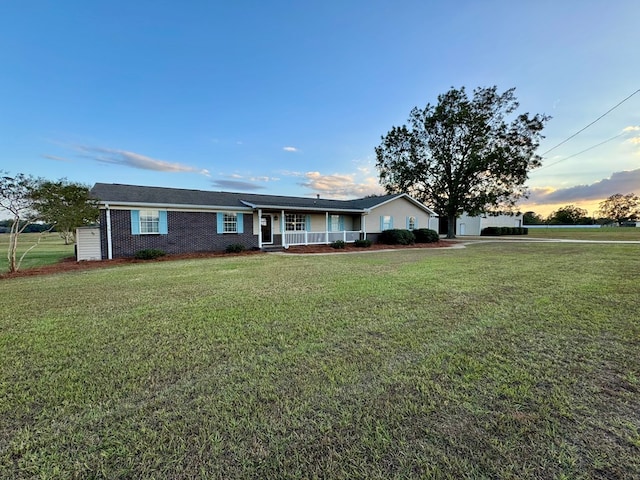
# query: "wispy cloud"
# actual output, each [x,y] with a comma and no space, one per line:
[631,128]
[236,185]
[290,149]
[619,182]
[341,186]
[136,160]
[56,158]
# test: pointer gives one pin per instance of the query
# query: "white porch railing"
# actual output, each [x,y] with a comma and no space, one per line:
[314,238]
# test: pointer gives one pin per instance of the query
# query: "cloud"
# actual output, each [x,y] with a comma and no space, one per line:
[136,160]
[236,185]
[56,158]
[634,140]
[340,185]
[624,182]
[290,149]
[631,128]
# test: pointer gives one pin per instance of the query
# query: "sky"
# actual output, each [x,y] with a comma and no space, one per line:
[292,97]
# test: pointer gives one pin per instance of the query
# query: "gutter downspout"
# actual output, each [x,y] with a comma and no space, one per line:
[109,243]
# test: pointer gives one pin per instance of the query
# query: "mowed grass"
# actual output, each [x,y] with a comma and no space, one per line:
[50,249]
[603,233]
[501,360]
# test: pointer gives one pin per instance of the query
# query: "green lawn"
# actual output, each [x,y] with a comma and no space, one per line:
[50,249]
[604,233]
[501,360]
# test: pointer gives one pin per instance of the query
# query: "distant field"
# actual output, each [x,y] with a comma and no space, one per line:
[499,360]
[605,233]
[51,249]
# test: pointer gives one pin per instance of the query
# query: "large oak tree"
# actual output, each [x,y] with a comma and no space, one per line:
[463,154]
[621,208]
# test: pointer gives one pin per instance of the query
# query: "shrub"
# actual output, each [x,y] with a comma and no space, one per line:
[396,236]
[235,248]
[426,235]
[149,254]
[362,243]
[338,244]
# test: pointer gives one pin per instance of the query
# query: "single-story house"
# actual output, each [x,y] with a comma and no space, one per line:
[473,225]
[134,218]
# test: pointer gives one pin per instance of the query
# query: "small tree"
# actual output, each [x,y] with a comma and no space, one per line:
[621,208]
[66,206]
[15,197]
[532,218]
[463,154]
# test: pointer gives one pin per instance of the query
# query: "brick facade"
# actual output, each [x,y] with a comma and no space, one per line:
[187,232]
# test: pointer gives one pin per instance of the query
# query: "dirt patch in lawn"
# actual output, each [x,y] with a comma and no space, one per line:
[70,264]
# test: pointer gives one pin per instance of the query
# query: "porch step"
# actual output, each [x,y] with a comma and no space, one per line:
[272,248]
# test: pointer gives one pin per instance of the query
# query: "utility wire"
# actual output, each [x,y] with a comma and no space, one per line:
[579,153]
[583,129]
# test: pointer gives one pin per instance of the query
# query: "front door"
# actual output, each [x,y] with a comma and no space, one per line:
[266,223]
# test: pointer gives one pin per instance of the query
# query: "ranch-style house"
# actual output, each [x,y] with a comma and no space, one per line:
[134,218]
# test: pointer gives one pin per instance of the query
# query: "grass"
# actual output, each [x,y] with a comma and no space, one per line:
[603,233]
[50,249]
[495,361]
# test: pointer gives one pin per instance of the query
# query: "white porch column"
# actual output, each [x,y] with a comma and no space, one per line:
[109,243]
[363,227]
[260,228]
[326,227]
[282,226]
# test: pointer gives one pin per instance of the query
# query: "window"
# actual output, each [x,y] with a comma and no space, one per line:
[386,222]
[229,222]
[145,222]
[295,222]
[149,221]
[411,223]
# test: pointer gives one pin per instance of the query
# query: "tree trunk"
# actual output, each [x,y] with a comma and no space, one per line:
[451,226]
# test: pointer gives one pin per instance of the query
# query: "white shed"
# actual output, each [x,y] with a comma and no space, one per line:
[467,225]
[88,244]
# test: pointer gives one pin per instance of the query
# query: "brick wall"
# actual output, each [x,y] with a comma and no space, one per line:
[187,232]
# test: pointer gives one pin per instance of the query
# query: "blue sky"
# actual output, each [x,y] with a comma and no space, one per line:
[292,97]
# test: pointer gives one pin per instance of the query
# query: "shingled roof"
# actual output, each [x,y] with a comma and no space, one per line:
[113,193]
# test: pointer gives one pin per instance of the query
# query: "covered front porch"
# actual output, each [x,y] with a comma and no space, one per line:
[285,228]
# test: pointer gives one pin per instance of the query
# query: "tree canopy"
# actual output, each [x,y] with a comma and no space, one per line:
[463,154]
[621,208]
[569,215]
[66,205]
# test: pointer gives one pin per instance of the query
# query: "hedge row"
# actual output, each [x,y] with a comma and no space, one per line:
[397,236]
[496,231]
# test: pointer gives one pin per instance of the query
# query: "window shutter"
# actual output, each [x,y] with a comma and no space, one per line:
[240,223]
[307,223]
[220,219]
[328,223]
[341,223]
[135,222]
[163,227]
[390,222]
[381,223]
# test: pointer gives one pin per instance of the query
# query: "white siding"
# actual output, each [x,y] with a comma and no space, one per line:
[399,209]
[88,244]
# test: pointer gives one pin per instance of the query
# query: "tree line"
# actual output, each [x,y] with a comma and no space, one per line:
[618,209]
[36,204]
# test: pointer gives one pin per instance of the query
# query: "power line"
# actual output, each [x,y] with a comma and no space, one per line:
[583,129]
[585,150]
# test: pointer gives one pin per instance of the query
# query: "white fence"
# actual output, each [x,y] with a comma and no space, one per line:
[314,238]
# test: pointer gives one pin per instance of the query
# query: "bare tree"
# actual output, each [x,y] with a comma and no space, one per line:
[15,198]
